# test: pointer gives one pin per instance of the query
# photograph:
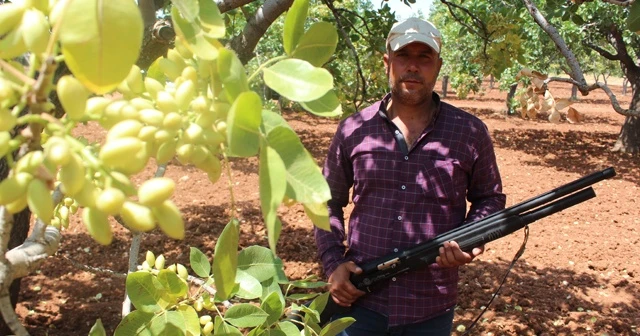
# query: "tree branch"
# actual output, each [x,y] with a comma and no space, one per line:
[227,5]
[347,40]
[246,41]
[602,52]
[10,317]
[26,258]
[148,11]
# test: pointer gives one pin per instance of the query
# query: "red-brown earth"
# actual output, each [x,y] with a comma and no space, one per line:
[579,274]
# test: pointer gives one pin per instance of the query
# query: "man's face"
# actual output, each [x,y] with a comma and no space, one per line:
[412,71]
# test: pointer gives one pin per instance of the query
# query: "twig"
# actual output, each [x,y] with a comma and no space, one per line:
[95,270]
[8,68]
[10,317]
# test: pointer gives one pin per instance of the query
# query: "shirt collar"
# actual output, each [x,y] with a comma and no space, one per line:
[382,110]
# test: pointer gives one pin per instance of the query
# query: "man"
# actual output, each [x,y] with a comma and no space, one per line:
[413,162]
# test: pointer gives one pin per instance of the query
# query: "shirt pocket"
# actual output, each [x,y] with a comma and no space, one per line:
[442,180]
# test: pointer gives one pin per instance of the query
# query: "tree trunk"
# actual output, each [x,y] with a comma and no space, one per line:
[625,81]
[510,97]
[445,84]
[491,82]
[629,138]
[18,235]
[574,92]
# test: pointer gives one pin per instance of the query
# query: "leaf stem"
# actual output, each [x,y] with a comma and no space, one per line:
[265,64]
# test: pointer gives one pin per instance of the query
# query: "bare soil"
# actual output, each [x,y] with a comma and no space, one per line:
[579,274]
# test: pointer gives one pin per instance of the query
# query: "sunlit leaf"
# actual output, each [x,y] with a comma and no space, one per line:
[272,173]
[98,329]
[90,33]
[199,262]
[319,215]
[547,102]
[191,320]
[294,24]
[573,116]
[211,19]
[298,80]
[318,44]
[243,124]
[245,315]
[250,287]
[288,328]
[337,326]
[222,328]
[232,74]
[225,260]
[156,72]
[135,323]
[273,307]
[188,9]
[168,323]
[260,263]
[538,82]
[193,36]
[325,106]
[146,292]
[172,283]
[305,182]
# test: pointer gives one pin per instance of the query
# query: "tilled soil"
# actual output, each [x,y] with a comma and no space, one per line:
[578,275]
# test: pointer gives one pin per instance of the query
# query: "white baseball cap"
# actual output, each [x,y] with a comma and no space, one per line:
[414,30]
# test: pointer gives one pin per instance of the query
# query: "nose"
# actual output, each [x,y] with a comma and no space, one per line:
[412,66]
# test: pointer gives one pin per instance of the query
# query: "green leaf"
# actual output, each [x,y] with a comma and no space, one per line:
[156,72]
[191,320]
[221,328]
[633,20]
[189,9]
[168,323]
[245,315]
[318,44]
[146,292]
[337,326]
[259,262]
[294,24]
[289,328]
[271,120]
[194,36]
[315,308]
[272,173]
[325,106]
[232,74]
[135,323]
[98,329]
[250,287]
[243,125]
[199,263]
[211,19]
[172,283]
[272,286]
[273,307]
[305,182]
[319,215]
[225,260]
[298,80]
[90,33]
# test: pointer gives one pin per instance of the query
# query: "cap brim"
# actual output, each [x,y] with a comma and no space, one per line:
[403,40]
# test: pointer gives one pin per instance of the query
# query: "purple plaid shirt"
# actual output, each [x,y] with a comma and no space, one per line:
[405,196]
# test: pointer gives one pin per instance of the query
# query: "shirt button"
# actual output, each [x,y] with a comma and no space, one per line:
[395,250]
[393,279]
[403,187]
[399,217]
[406,158]
[397,132]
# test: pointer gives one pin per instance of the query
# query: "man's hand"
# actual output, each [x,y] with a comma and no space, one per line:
[343,292]
[452,256]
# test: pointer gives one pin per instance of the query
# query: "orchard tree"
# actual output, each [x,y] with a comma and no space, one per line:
[577,30]
[194,105]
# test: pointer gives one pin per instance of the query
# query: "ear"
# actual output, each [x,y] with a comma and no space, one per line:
[385,59]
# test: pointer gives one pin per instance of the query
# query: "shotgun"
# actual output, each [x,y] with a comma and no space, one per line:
[470,235]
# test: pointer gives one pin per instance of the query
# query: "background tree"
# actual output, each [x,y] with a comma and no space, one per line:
[575,31]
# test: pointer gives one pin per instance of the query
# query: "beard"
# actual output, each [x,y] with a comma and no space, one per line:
[409,97]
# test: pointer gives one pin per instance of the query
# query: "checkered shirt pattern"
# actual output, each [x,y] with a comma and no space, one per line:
[406,196]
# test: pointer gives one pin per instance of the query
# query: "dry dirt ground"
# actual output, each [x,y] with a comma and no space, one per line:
[579,274]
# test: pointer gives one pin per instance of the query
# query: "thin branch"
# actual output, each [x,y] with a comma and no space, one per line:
[95,270]
[5,230]
[604,53]
[227,5]
[623,3]
[148,11]
[14,72]
[27,257]
[10,317]
[597,85]
[347,40]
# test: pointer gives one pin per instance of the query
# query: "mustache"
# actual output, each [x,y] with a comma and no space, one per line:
[412,76]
